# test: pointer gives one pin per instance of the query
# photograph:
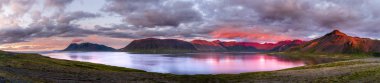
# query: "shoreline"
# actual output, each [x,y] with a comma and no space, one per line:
[33,67]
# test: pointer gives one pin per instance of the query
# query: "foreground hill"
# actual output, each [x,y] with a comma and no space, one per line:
[153,45]
[88,47]
[338,42]
[15,67]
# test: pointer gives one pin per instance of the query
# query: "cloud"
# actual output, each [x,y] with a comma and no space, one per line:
[18,7]
[296,18]
[3,2]
[249,19]
[254,34]
[76,40]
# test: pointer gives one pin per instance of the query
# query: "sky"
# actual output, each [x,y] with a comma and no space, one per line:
[39,25]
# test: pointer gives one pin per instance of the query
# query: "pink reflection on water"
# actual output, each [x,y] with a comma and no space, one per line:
[247,63]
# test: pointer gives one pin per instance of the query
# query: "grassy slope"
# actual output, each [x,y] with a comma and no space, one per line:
[36,68]
[323,55]
[33,67]
[359,70]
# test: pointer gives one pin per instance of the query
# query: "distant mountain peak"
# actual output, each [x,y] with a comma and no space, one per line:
[337,32]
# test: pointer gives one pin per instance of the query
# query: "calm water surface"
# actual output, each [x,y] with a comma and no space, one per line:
[196,63]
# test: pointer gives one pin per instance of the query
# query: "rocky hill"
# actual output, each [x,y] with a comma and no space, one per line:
[339,42]
[153,45]
[88,47]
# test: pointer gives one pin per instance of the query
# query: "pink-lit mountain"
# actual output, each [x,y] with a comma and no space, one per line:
[339,42]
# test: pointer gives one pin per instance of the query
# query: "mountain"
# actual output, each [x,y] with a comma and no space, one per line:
[339,42]
[153,45]
[88,47]
[203,45]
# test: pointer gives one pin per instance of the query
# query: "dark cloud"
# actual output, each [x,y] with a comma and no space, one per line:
[120,35]
[125,31]
[60,4]
[74,16]
[101,28]
[151,13]
[59,25]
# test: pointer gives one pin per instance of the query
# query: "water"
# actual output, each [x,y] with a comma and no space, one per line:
[196,63]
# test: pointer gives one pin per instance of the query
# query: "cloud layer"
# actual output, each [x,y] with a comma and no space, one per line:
[243,20]
[59,24]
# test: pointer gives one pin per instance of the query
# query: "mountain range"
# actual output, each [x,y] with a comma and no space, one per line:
[203,45]
[333,42]
[153,45]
